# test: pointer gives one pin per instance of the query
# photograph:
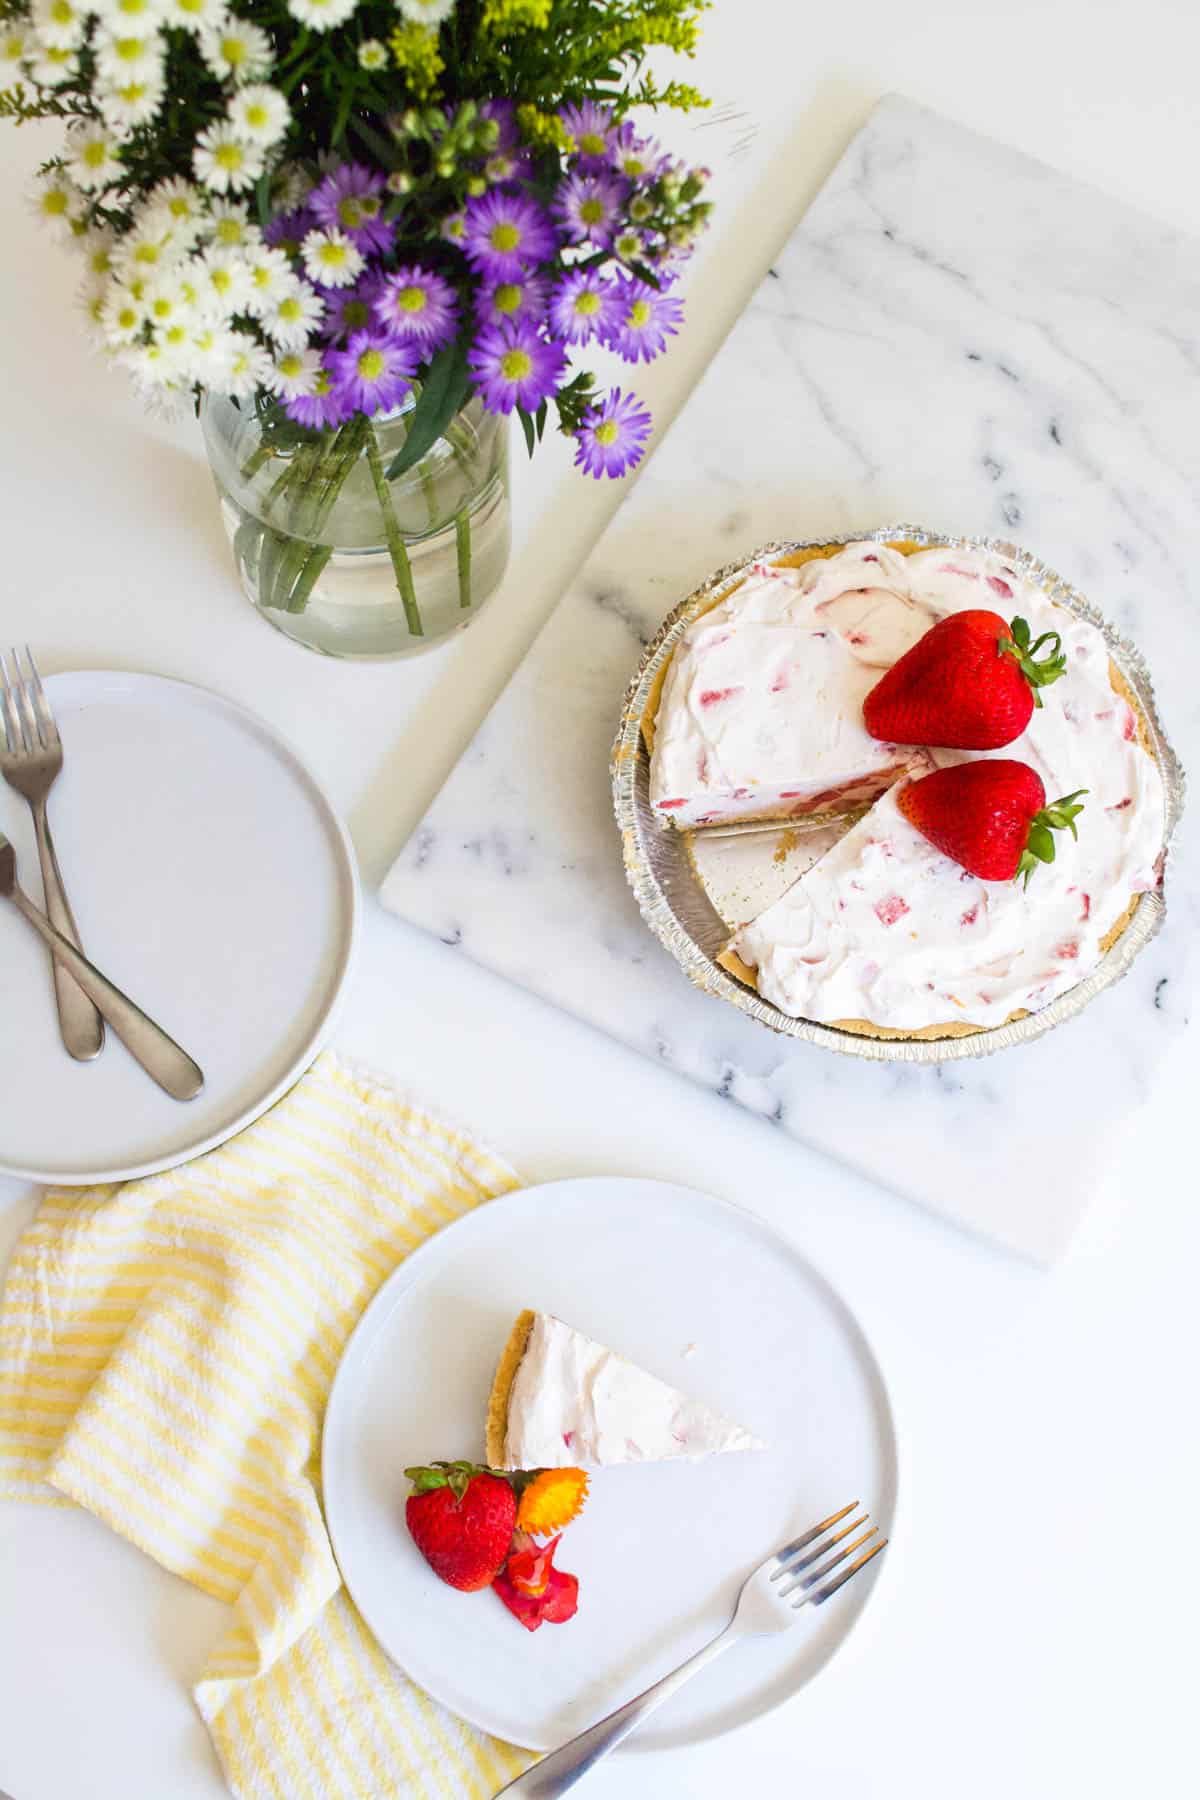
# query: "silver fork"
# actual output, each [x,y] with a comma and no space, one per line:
[163,1059]
[768,1602]
[31,757]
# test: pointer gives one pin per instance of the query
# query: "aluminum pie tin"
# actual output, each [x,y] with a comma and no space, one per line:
[681,915]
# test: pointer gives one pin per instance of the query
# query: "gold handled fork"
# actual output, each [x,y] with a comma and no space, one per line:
[31,757]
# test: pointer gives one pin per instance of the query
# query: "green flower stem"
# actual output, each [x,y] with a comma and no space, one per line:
[255,461]
[395,538]
[462,538]
[317,483]
[429,489]
[314,567]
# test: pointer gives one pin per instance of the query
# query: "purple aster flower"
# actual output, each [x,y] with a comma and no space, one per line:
[590,127]
[418,306]
[374,372]
[587,207]
[637,158]
[350,199]
[514,366]
[349,309]
[645,320]
[454,228]
[322,410]
[524,298]
[288,230]
[584,306]
[505,234]
[612,438]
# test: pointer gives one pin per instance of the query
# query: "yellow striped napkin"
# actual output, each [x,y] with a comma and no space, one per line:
[166,1350]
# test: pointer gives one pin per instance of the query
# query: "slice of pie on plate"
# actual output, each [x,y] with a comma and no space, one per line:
[560,1400]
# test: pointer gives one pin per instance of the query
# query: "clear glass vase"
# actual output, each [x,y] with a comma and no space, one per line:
[346,557]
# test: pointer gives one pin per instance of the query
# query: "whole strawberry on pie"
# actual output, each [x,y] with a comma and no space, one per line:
[990,817]
[971,683]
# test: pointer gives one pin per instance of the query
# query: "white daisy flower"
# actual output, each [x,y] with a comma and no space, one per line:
[145,251]
[291,185]
[225,162]
[126,104]
[372,54]
[196,16]
[59,24]
[176,206]
[233,49]
[295,372]
[121,316]
[97,250]
[152,365]
[208,354]
[53,199]
[89,298]
[229,225]
[294,315]
[170,303]
[426,12]
[250,366]
[175,338]
[16,44]
[92,160]
[120,16]
[128,56]
[321,15]
[259,113]
[270,278]
[127,16]
[330,259]
[222,279]
[52,66]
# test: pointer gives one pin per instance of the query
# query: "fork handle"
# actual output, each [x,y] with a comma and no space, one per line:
[79,1020]
[161,1057]
[572,1760]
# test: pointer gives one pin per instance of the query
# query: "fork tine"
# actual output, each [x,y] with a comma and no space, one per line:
[819,1574]
[802,1543]
[29,724]
[819,1598]
[12,723]
[45,713]
[794,1568]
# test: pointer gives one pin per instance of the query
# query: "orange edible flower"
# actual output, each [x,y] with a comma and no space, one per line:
[551,1500]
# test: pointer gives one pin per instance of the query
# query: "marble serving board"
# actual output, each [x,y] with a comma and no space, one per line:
[956,335]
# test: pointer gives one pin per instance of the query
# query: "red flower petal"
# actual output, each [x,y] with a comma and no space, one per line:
[529,1571]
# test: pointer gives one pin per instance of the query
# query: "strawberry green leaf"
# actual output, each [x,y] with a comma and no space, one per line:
[1038,674]
[1039,846]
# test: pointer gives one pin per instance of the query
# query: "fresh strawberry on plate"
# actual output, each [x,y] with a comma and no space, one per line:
[990,816]
[461,1518]
[971,683]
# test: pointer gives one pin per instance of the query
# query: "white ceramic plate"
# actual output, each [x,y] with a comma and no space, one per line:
[661,1549]
[211,878]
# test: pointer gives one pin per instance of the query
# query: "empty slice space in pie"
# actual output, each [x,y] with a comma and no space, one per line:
[561,1400]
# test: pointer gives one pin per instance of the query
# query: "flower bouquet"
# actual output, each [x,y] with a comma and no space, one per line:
[361,234]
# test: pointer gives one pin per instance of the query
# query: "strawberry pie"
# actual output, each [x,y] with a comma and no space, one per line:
[560,1398]
[761,716]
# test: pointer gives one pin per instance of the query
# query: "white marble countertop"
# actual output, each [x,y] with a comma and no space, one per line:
[958,337]
[1046,1421]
